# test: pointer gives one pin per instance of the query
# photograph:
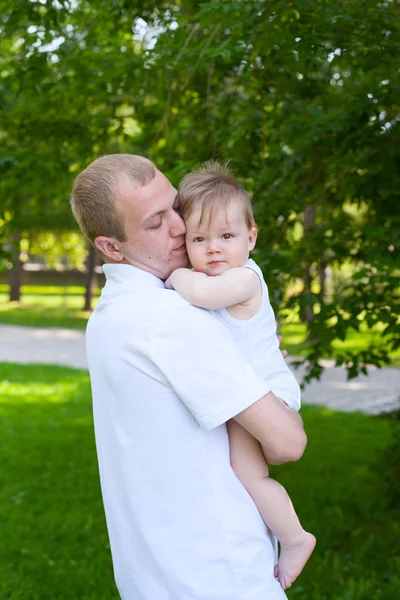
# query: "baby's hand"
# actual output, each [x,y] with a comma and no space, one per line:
[168,284]
[174,281]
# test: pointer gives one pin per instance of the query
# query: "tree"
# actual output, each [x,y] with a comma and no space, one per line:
[50,53]
[304,99]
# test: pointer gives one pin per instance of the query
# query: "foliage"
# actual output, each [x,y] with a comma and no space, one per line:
[5,250]
[302,96]
[54,542]
[304,99]
[58,249]
[4,256]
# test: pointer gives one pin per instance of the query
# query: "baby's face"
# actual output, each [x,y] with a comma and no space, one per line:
[221,244]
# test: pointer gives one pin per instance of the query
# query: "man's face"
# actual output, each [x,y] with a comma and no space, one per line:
[154,229]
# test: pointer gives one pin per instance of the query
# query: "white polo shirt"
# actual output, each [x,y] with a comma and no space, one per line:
[166,376]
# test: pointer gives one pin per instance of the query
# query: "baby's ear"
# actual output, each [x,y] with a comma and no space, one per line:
[252,237]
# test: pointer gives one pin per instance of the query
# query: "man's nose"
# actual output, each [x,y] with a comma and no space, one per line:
[178,226]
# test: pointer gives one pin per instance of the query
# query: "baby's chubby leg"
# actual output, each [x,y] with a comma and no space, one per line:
[272,501]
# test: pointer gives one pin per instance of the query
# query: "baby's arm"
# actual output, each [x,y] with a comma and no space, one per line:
[232,287]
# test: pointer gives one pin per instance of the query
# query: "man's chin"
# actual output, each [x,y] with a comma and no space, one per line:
[181,263]
[184,261]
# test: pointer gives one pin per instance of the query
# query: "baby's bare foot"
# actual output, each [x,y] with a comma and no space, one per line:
[292,559]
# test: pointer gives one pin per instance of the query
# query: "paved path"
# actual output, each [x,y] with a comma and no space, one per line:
[34,345]
[377,393]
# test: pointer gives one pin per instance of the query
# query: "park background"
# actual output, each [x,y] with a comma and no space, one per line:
[303,99]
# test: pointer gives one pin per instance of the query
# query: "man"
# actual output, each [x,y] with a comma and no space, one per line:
[166,376]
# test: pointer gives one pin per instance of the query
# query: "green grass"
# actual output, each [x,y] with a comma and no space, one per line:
[44,310]
[53,541]
[47,290]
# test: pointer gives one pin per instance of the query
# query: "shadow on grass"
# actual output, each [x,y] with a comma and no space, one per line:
[53,542]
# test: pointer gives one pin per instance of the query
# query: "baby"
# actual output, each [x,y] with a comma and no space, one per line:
[220,234]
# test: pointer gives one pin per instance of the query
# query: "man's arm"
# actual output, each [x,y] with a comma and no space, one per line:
[277,427]
[232,287]
[216,383]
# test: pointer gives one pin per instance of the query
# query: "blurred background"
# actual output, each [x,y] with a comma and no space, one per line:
[303,98]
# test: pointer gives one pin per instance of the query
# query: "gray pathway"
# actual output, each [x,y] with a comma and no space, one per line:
[34,345]
[377,393]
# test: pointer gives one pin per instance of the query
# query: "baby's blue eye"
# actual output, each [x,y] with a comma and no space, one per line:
[198,239]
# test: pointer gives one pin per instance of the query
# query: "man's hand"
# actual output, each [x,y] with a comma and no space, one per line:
[278,428]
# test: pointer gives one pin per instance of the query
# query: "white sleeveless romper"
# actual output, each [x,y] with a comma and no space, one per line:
[257,339]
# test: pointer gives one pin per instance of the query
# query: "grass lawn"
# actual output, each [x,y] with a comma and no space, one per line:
[45,306]
[53,542]
[54,306]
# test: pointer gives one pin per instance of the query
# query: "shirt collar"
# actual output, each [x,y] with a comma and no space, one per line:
[114,271]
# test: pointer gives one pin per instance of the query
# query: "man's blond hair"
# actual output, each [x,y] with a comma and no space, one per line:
[95,191]
[211,188]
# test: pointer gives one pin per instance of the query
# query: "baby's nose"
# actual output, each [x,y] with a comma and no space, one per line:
[212,248]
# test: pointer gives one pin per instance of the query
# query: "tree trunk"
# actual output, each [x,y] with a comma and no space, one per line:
[15,274]
[276,300]
[322,280]
[309,222]
[91,279]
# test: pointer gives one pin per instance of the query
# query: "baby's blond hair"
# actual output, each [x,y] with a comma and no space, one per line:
[211,188]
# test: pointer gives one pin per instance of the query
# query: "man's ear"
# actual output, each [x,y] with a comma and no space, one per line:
[252,237]
[107,247]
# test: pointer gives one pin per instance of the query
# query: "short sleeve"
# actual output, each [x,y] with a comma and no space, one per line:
[199,359]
